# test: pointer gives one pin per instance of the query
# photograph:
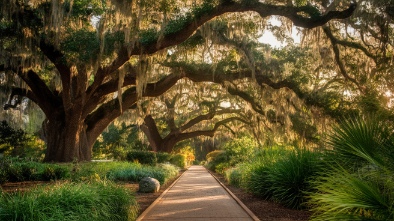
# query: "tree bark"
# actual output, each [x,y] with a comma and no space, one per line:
[67,140]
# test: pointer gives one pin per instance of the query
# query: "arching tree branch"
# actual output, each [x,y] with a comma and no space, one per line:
[338,60]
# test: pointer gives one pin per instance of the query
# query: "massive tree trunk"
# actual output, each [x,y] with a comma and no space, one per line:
[66,141]
[66,135]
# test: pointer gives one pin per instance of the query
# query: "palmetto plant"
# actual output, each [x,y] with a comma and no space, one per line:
[359,184]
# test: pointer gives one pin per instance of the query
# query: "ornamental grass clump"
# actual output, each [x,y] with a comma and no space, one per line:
[93,201]
[359,184]
[289,178]
[280,174]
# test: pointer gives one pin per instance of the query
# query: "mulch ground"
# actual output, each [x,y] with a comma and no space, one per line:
[264,210]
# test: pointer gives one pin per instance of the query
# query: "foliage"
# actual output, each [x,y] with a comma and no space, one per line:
[117,141]
[183,157]
[16,142]
[358,184]
[216,158]
[70,201]
[143,157]
[281,175]
[55,172]
[234,151]
[363,141]
[353,196]
[179,160]
[121,171]
[290,178]
[240,149]
[16,170]
[135,172]
[163,157]
[81,45]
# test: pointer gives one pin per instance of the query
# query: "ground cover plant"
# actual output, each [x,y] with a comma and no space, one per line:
[17,170]
[78,191]
[96,200]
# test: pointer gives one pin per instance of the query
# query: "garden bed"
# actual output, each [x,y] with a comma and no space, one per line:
[263,209]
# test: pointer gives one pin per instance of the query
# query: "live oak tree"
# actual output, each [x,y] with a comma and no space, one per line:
[357,55]
[85,62]
[189,110]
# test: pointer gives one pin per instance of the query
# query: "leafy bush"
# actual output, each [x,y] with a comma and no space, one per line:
[143,157]
[29,171]
[234,176]
[14,172]
[212,155]
[55,172]
[240,149]
[3,170]
[216,158]
[70,201]
[188,156]
[135,172]
[163,157]
[179,160]
[16,142]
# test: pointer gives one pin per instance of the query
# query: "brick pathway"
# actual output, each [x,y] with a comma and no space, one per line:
[197,195]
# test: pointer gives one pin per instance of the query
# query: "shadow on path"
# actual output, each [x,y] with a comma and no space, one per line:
[196,196]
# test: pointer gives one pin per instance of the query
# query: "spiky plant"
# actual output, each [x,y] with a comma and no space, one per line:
[290,178]
[359,185]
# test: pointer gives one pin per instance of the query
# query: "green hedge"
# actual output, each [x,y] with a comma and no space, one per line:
[143,157]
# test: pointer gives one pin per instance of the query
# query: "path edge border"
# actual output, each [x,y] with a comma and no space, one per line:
[244,207]
[147,210]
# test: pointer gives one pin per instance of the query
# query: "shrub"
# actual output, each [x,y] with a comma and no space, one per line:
[179,160]
[257,180]
[70,201]
[143,157]
[3,171]
[163,157]
[216,158]
[234,176]
[290,178]
[55,172]
[29,171]
[240,149]
[212,155]
[135,173]
[14,172]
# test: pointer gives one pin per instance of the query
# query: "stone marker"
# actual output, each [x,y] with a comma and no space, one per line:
[149,185]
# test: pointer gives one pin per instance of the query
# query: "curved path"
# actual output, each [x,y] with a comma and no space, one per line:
[197,195]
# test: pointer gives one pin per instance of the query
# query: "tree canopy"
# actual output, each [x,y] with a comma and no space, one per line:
[84,63]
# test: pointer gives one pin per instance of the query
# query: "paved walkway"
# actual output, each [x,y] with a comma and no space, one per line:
[196,196]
